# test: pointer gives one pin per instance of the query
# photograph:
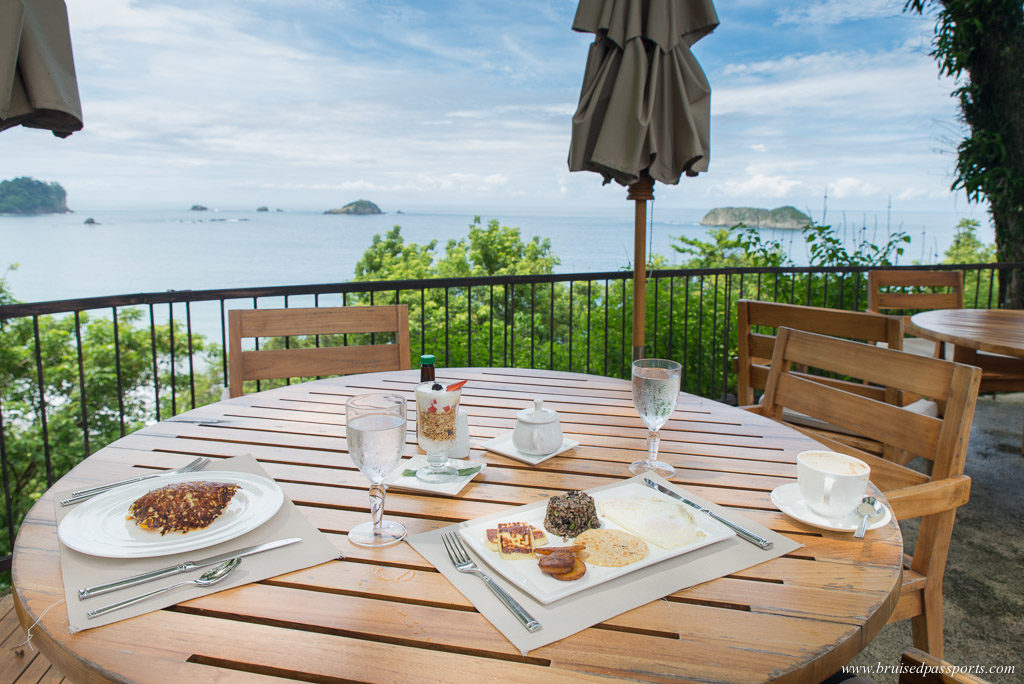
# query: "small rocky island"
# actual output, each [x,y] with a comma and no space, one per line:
[198,207]
[27,197]
[359,207]
[788,218]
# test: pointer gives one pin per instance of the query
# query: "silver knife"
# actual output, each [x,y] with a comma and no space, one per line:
[187,566]
[741,531]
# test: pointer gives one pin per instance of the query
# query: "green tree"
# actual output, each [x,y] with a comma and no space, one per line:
[84,409]
[966,247]
[984,41]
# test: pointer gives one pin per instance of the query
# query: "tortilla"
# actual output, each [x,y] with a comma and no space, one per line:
[609,548]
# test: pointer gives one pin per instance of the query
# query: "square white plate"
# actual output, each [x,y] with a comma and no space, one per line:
[526,574]
[502,444]
[399,480]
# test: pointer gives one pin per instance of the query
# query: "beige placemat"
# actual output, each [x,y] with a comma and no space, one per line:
[604,601]
[82,570]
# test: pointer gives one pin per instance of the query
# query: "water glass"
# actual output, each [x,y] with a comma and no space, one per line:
[655,393]
[375,428]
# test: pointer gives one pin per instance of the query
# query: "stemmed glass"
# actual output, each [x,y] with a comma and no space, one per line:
[375,428]
[655,392]
[437,410]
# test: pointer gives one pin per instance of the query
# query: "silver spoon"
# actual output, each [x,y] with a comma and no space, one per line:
[868,508]
[208,578]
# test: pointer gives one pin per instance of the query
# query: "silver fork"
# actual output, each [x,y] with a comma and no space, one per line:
[463,563]
[83,494]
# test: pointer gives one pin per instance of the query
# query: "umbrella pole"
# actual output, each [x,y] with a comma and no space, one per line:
[641,191]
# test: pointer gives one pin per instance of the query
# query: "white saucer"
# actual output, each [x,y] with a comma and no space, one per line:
[787,499]
[502,444]
[399,480]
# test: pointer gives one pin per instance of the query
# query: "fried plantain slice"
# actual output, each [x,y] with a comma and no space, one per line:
[579,568]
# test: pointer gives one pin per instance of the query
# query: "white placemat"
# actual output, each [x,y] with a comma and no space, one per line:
[82,570]
[604,601]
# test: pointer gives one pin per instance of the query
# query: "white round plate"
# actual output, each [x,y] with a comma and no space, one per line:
[787,498]
[99,526]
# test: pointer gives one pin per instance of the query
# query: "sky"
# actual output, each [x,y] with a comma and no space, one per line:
[467,104]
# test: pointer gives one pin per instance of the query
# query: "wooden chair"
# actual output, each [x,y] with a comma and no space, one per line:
[755,346]
[264,364]
[942,440]
[942,290]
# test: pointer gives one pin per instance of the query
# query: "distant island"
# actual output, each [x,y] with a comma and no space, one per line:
[359,207]
[27,196]
[789,218]
[198,207]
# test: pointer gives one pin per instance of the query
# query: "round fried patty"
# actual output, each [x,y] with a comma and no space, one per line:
[612,548]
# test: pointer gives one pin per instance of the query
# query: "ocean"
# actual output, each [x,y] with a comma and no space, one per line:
[132,251]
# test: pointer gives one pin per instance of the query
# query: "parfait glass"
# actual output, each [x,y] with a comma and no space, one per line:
[375,429]
[437,410]
[655,392]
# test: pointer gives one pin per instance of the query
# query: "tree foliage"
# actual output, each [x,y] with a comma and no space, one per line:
[984,41]
[28,196]
[85,407]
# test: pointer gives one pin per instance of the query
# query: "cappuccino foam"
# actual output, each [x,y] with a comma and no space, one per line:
[837,464]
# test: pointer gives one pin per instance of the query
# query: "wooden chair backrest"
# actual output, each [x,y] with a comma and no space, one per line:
[942,440]
[754,348]
[880,299]
[264,364]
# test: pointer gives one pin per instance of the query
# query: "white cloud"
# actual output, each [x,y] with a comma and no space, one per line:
[758,185]
[848,187]
[832,12]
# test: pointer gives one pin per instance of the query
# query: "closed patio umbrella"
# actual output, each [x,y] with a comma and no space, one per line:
[37,71]
[645,106]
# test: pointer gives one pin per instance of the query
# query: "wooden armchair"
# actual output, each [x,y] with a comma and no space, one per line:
[942,290]
[755,345]
[942,440]
[264,364]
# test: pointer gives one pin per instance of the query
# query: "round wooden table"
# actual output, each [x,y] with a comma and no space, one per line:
[997,331]
[388,615]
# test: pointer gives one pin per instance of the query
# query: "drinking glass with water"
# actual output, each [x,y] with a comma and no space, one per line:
[375,429]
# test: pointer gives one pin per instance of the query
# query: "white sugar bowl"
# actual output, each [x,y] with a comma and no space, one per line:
[537,430]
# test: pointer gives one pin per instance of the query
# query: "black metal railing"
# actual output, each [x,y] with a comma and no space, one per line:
[77,374]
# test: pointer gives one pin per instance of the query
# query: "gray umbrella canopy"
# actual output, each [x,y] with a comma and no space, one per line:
[645,105]
[37,71]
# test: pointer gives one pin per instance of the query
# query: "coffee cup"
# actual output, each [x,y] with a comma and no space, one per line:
[832,484]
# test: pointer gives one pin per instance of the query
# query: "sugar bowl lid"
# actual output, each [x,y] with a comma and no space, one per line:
[538,415]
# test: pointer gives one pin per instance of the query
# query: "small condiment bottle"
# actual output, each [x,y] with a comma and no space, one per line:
[427,368]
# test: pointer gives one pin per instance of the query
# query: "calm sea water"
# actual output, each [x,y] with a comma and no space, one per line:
[150,251]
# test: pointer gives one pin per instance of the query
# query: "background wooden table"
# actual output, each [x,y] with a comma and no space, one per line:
[387,615]
[991,339]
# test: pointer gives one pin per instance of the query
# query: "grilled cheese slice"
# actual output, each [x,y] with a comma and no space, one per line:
[515,541]
[491,538]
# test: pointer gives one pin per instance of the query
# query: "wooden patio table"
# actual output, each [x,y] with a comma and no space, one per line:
[991,339]
[387,615]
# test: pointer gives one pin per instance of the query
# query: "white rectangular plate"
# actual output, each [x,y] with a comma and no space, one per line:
[526,574]
[502,444]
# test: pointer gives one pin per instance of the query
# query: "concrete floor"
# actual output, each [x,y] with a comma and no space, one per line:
[984,584]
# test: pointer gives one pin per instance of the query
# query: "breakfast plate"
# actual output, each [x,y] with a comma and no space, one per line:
[787,498]
[526,574]
[502,444]
[100,526]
